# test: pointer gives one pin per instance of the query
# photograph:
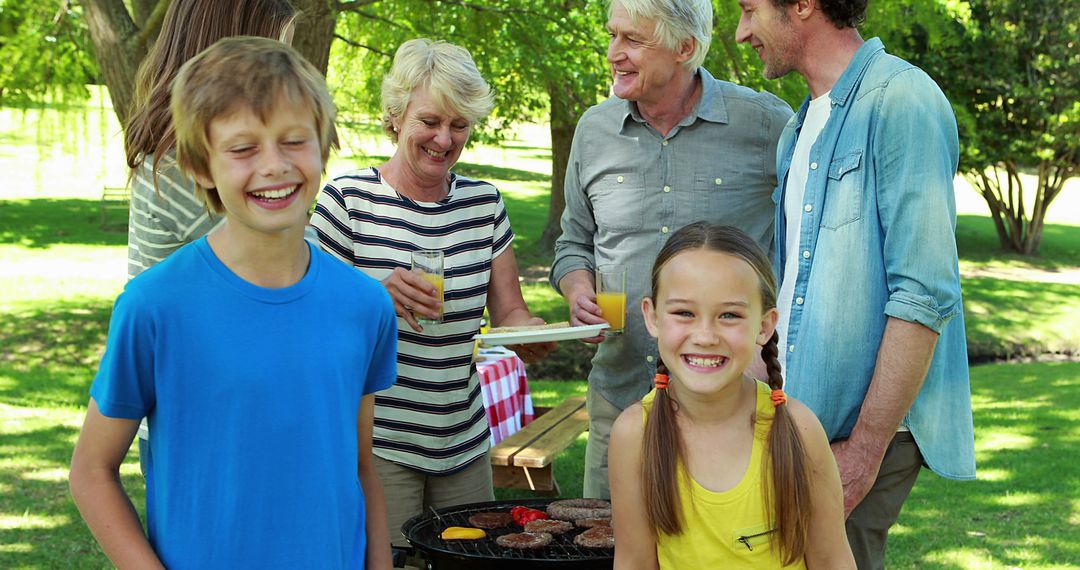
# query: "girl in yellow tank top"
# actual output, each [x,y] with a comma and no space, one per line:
[713,469]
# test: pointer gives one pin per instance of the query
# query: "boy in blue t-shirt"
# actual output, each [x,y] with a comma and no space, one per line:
[254,355]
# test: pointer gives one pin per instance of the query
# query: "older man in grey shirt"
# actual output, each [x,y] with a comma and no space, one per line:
[673,147]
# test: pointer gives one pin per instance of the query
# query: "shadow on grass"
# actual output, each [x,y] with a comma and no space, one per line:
[1000,313]
[48,354]
[43,222]
[34,478]
[977,240]
[1021,510]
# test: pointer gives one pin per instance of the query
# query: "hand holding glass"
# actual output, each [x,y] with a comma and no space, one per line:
[611,296]
[429,264]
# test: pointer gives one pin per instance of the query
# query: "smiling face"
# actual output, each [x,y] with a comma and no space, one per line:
[708,319]
[769,31]
[430,138]
[266,174]
[642,69]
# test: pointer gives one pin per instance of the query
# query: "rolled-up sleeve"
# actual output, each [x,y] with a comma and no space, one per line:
[916,152]
[574,248]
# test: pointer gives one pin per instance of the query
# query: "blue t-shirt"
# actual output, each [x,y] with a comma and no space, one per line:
[252,395]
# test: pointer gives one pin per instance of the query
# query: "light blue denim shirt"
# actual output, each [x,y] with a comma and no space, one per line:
[878,241]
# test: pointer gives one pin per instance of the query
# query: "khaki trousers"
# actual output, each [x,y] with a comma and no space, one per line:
[868,525]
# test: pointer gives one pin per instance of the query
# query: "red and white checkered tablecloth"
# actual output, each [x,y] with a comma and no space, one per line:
[505,390]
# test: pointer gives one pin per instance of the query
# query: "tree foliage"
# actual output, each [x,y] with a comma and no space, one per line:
[1012,72]
[44,49]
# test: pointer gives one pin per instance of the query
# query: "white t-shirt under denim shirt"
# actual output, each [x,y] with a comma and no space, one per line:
[817,114]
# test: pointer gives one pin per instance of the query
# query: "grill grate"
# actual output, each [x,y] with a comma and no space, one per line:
[423,532]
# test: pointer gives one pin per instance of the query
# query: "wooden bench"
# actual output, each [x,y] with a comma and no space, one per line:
[526,459]
[113,198]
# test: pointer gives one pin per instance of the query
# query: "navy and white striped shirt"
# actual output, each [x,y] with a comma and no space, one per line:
[433,418]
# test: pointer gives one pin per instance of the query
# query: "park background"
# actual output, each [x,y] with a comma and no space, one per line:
[1012,74]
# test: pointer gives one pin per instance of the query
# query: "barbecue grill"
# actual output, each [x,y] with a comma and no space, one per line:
[422,531]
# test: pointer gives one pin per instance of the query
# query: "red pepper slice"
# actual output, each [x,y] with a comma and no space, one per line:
[516,512]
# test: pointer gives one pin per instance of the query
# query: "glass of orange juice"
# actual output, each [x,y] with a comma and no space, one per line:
[611,296]
[429,263]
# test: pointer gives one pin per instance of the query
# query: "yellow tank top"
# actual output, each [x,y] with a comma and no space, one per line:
[728,529]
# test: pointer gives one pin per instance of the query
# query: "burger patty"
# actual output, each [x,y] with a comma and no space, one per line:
[596,537]
[590,523]
[575,509]
[491,520]
[552,526]
[524,540]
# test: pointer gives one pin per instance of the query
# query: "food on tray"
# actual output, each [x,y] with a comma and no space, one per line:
[462,533]
[524,328]
[523,515]
[590,523]
[524,540]
[548,525]
[596,537]
[491,520]
[574,509]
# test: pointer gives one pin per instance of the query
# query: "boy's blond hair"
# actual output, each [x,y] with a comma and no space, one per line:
[236,73]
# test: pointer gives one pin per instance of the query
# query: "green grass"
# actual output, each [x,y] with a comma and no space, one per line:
[1023,511]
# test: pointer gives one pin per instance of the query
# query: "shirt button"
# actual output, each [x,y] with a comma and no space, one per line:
[813,166]
[719,181]
[664,229]
[806,254]
[791,348]
[667,188]
[649,358]
[808,208]
[664,143]
[799,301]
[620,179]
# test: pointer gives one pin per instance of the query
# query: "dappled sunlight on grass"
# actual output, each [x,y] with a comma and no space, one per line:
[969,558]
[994,474]
[1021,499]
[37,509]
[29,521]
[1027,417]
[999,441]
[1017,318]
[47,475]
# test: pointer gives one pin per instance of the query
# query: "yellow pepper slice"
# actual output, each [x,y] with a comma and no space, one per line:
[462,533]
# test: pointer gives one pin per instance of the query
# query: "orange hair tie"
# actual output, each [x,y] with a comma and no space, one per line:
[778,397]
[661,381]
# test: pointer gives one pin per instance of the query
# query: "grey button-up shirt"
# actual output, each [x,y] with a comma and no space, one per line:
[628,188]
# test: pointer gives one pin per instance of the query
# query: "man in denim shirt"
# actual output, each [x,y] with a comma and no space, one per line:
[872,322]
[673,146]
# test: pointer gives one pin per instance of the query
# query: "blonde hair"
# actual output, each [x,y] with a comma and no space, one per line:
[449,73]
[189,27]
[676,21]
[238,72]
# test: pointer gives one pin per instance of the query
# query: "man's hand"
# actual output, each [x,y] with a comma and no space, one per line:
[859,468]
[535,351]
[581,297]
[410,293]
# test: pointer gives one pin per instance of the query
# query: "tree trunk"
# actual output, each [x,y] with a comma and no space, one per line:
[315,31]
[118,50]
[563,122]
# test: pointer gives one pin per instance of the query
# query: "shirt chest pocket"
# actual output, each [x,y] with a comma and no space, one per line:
[617,202]
[753,541]
[844,197]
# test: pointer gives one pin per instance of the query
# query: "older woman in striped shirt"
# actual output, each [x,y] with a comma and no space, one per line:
[431,434]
